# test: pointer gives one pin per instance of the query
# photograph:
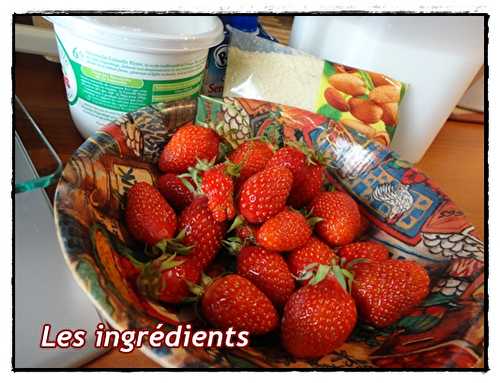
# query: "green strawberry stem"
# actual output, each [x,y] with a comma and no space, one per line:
[194,174]
[237,222]
[204,165]
[349,277]
[187,184]
[314,220]
[307,273]
[340,276]
[311,220]
[320,274]
[149,281]
[232,169]
[316,273]
[233,245]
[170,262]
[173,245]
[198,289]
[205,280]
[195,289]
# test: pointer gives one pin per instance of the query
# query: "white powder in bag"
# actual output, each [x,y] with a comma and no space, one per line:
[276,77]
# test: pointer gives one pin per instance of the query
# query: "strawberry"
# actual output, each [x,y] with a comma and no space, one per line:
[187,145]
[175,191]
[367,250]
[166,278]
[313,252]
[268,271]
[217,184]
[234,301]
[264,194]
[307,184]
[201,231]
[285,231]
[288,157]
[252,156]
[149,217]
[341,217]
[317,319]
[385,291]
[246,233]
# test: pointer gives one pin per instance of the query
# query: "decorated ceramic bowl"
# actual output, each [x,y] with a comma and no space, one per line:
[408,213]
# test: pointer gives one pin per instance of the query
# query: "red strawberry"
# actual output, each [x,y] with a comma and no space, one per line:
[246,233]
[149,217]
[288,157]
[264,194]
[341,218]
[165,278]
[189,144]
[201,231]
[367,250]
[285,231]
[317,319]
[314,251]
[234,301]
[174,191]
[385,291]
[252,156]
[307,183]
[268,271]
[217,184]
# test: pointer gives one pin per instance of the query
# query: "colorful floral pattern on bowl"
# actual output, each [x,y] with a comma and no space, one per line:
[407,212]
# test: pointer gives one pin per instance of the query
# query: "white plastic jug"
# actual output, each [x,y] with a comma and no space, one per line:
[437,56]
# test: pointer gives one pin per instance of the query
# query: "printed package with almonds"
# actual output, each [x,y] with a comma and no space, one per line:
[265,70]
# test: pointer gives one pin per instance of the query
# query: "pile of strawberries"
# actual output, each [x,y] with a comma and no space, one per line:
[298,269]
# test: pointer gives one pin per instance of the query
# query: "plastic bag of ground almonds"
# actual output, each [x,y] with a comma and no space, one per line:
[265,70]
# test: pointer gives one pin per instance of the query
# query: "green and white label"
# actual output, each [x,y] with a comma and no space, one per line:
[125,94]
[103,83]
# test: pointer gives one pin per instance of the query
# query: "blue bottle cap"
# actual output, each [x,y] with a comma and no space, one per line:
[243,23]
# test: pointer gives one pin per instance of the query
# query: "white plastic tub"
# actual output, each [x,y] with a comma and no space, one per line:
[117,64]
